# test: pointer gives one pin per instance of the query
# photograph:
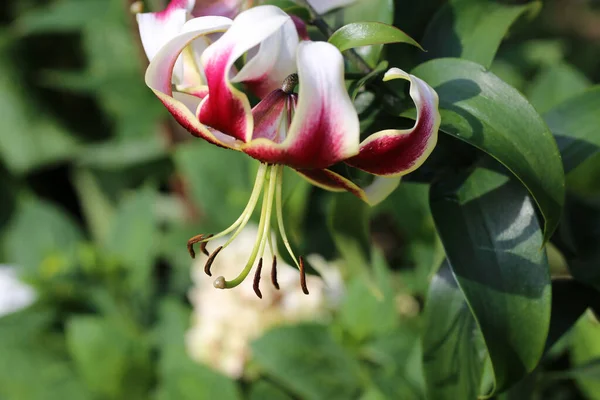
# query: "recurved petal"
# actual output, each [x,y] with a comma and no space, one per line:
[377,191]
[273,62]
[224,8]
[398,152]
[156,29]
[325,127]
[226,108]
[158,78]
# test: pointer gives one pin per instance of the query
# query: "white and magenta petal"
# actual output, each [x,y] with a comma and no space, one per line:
[158,78]
[223,8]
[377,191]
[399,152]
[226,108]
[325,127]
[156,29]
[274,61]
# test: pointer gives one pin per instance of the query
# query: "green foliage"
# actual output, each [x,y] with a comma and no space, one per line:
[100,190]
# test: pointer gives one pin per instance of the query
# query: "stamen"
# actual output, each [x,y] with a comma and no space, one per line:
[256,284]
[242,219]
[211,259]
[263,230]
[290,83]
[274,273]
[303,277]
[279,211]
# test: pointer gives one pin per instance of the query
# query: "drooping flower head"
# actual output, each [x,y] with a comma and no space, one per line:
[200,75]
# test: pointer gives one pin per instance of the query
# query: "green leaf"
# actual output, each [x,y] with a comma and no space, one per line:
[42,239]
[349,226]
[493,242]
[365,312]
[575,123]
[364,10]
[113,362]
[555,84]
[96,206]
[585,348]
[179,377]
[452,358]
[132,239]
[472,29]
[368,33]
[314,367]
[480,109]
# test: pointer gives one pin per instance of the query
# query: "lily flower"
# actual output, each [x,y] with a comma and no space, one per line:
[309,130]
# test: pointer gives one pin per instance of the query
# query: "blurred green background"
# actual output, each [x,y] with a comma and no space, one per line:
[100,190]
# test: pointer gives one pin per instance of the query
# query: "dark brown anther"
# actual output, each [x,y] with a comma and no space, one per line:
[196,239]
[274,273]
[290,83]
[203,244]
[210,260]
[257,279]
[302,276]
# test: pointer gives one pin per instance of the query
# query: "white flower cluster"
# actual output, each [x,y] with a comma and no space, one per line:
[224,322]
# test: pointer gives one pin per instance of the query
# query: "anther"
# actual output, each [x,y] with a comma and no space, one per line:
[274,273]
[256,284]
[219,283]
[204,243]
[210,260]
[302,276]
[197,239]
[290,83]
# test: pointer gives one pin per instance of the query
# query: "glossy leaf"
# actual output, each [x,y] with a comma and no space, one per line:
[314,367]
[452,357]
[480,109]
[574,124]
[368,33]
[364,10]
[471,29]
[555,84]
[585,349]
[493,242]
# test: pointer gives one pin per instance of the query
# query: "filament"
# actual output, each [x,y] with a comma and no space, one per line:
[279,211]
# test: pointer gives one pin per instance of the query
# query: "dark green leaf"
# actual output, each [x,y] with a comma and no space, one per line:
[364,10]
[485,112]
[555,84]
[315,367]
[471,29]
[359,34]
[575,124]
[263,390]
[493,242]
[452,357]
